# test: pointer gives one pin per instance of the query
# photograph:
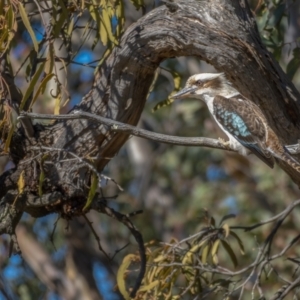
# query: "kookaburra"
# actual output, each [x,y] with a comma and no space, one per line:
[241,120]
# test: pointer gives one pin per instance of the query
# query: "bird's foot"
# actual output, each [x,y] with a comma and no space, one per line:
[224,143]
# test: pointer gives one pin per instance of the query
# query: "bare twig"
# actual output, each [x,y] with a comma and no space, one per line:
[96,237]
[101,206]
[282,215]
[142,133]
[53,231]
[129,129]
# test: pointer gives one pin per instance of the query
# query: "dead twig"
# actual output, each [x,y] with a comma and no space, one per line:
[101,207]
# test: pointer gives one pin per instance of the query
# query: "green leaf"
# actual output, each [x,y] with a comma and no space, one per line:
[188,257]
[226,217]
[71,26]
[177,80]
[32,85]
[104,56]
[120,14]
[50,59]
[9,136]
[214,252]
[230,252]
[163,103]
[8,32]
[92,192]
[59,24]
[28,26]
[21,183]
[41,88]
[149,287]
[204,254]
[239,241]
[106,25]
[177,83]
[121,274]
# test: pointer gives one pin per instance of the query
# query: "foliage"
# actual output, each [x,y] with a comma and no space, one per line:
[273,19]
[96,22]
[184,268]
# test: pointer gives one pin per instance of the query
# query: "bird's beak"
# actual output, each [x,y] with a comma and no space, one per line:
[184,93]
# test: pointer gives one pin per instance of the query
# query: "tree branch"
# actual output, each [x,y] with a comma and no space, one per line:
[116,126]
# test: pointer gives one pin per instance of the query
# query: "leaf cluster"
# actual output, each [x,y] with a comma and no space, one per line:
[185,268]
[98,23]
[273,18]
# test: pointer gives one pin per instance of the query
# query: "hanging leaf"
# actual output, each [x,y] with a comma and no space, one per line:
[71,26]
[57,104]
[32,85]
[214,252]
[149,287]
[177,84]
[187,259]
[49,59]
[226,217]
[21,183]
[226,229]
[121,275]
[242,249]
[26,22]
[230,252]
[59,25]
[41,88]
[104,56]
[102,34]
[120,15]
[204,254]
[163,103]
[106,25]
[9,31]
[9,136]
[92,192]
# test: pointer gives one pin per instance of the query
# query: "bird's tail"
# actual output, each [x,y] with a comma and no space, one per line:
[286,157]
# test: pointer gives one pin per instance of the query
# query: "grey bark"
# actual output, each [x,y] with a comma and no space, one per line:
[220,32]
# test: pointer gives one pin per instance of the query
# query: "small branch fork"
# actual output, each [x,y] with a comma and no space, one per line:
[142,133]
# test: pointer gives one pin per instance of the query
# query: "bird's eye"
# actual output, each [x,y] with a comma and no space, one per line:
[199,82]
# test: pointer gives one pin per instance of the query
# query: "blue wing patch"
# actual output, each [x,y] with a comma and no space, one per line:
[235,124]
[237,127]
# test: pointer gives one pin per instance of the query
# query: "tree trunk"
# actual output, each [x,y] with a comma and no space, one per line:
[220,32]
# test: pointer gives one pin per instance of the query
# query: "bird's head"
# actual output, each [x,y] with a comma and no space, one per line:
[206,86]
